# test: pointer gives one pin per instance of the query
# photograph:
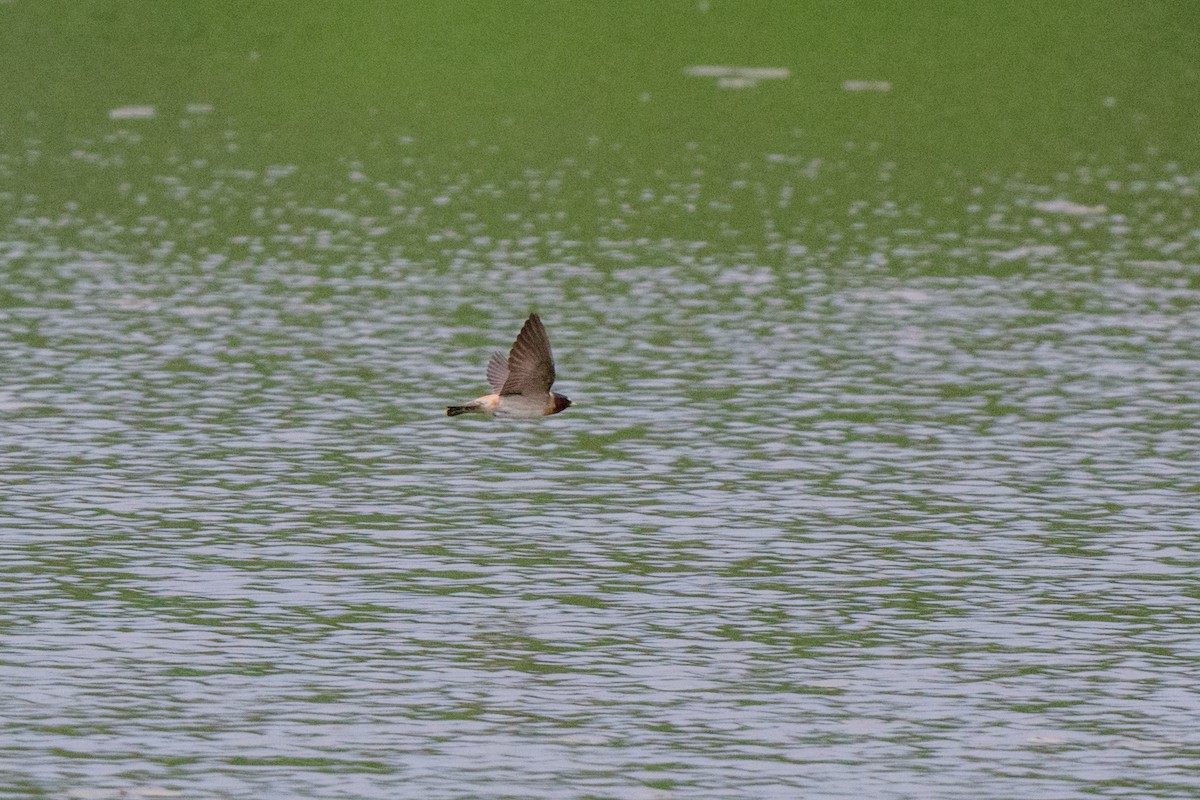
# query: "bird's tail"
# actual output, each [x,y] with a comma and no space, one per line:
[454,411]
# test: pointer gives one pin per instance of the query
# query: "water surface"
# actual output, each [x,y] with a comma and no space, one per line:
[880,478]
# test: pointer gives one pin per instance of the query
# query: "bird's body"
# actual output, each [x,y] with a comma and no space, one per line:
[521,383]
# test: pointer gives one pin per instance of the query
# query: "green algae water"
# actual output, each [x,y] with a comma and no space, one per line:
[880,326]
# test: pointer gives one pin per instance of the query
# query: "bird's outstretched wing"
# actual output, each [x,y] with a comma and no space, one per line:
[530,363]
[497,371]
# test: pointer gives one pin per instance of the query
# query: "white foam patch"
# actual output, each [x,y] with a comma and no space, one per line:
[729,77]
[867,86]
[132,112]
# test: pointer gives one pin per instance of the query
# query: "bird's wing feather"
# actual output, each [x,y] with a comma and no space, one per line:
[497,371]
[530,363]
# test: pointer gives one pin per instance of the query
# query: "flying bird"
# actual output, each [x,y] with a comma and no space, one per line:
[521,383]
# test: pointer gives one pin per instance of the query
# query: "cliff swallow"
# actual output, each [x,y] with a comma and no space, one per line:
[520,384]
